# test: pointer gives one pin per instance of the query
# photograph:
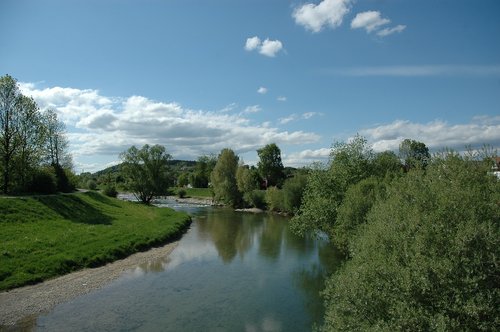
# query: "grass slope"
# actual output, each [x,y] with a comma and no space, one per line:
[46,236]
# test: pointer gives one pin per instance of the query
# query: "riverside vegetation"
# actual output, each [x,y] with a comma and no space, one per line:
[46,236]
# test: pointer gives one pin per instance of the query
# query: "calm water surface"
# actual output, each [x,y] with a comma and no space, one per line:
[232,271]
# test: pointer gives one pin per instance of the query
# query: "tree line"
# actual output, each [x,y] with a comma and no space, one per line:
[34,154]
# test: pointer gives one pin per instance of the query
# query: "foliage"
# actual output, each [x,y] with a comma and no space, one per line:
[293,188]
[275,199]
[91,184]
[247,179]
[146,171]
[223,178]
[415,154]
[427,257]
[63,181]
[204,167]
[270,166]
[354,209]
[326,185]
[43,182]
[183,180]
[181,193]
[255,198]
[29,139]
[110,190]
[46,236]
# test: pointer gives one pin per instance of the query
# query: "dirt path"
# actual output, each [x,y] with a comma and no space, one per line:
[26,303]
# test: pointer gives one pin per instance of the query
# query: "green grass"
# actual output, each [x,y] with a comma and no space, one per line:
[196,192]
[45,236]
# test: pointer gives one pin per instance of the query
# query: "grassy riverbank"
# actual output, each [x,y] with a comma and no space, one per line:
[46,236]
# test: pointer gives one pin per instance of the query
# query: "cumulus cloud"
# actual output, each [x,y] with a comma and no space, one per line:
[436,134]
[306,157]
[267,47]
[104,126]
[328,13]
[262,90]
[252,43]
[369,21]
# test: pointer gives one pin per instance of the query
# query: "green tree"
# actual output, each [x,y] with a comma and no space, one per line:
[204,167]
[415,154]
[293,189]
[146,171]
[270,166]
[56,140]
[327,184]
[9,126]
[223,178]
[427,257]
[246,179]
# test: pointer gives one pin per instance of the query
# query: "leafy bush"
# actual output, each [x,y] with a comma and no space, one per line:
[255,198]
[274,199]
[181,193]
[110,190]
[43,182]
[427,257]
[62,179]
[91,184]
[293,188]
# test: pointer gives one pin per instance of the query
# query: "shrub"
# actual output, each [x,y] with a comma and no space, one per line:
[110,190]
[274,199]
[255,198]
[91,184]
[293,189]
[43,182]
[181,193]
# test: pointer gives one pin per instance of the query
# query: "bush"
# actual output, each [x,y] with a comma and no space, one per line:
[255,198]
[43,182]
[62,179]
[181,193]
[274,199]
[91,184]
[293,189]
[110,190]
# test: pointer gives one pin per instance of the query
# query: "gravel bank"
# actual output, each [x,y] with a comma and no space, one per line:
[26,303]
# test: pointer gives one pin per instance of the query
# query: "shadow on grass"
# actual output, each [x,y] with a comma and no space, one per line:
[73,208]
[101,198]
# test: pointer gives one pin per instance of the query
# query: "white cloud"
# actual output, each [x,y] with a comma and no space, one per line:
[281,98]
[270,47]
[436,134]
[309,115]
[370,20]
[293,117]
[328,13]
[102,127]
[306,157]
[252,109]
[287,119]
[262,90]
[389,31]
[252,43]
[422,70]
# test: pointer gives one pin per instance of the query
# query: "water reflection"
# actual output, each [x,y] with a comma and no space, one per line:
[230,272]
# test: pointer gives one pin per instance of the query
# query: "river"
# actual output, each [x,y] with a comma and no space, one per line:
[232,271]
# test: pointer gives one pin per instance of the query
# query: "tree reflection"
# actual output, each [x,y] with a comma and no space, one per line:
[271,237]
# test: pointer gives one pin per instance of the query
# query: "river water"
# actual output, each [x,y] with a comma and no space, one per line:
[232,271]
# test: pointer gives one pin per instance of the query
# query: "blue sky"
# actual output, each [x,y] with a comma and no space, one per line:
[198,76]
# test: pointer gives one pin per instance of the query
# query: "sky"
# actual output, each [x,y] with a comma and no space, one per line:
[200,76]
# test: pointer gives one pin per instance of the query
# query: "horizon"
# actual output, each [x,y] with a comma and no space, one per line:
[198,77]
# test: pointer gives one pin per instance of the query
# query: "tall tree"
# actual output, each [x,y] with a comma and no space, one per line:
[57,142]
[270,165]
[31,140]
[223,178]
[9,126]
[414,153]
[146,171]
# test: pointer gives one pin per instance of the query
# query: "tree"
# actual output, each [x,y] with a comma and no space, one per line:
[427,257]
[146,171]
[57,143]
[270,166]
[201,176]
[31,140]
[223,178]
[415,154]
[9,126]
[247,179]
